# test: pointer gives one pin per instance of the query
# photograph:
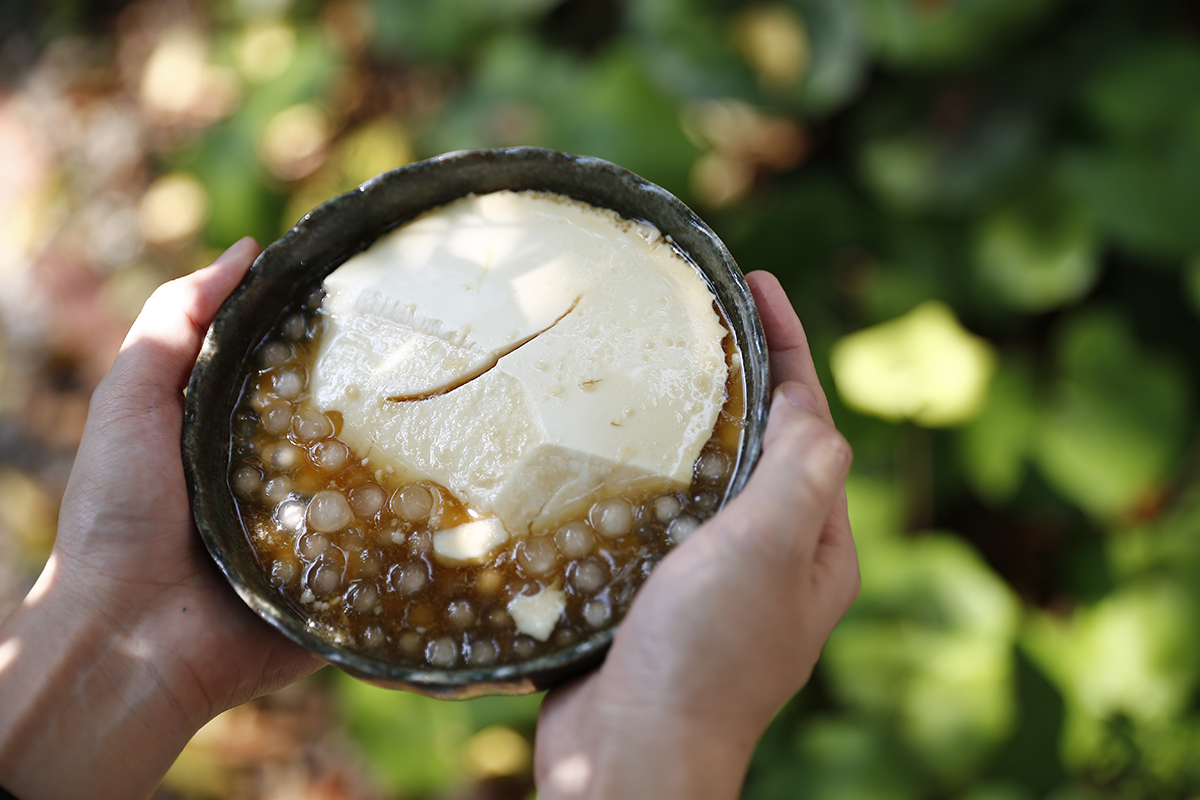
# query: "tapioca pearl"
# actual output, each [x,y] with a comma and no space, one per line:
[245,424]
[290,515]
[575,539]
[596,613]
[537,556]
[329,511]
[706,501]
[288,383]
[589,576]
[460,613]
[309,426]
[324,577]
[612,518]
[352,539]
[489,581]
[310,546]
[408,579]
[295,327]
[246,481]
[243,449]
[330,455]
[483,652]
[712,466]
[412,502]
[363,598]
[314,299]
[564,637]
[411,643]
[524,647]
[277,417]
[498,619]
[284,570]
[260,400]
[442,652]
[285,456]
[667,508]
[373,636]
[273,354]
[366,500]
[277,489]
[420,543]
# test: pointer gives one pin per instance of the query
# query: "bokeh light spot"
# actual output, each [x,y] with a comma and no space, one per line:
[294,142]
[923,366]
[174,207]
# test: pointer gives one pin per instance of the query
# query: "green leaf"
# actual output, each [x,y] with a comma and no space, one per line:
[836,758]
[1038,255]
[1145,198]
[1149,93]
[1111,431]
[1133,654]
[923,366]
[929,643]
[950,32]
[411,742]
[995,446]
[446,29]
[605,107]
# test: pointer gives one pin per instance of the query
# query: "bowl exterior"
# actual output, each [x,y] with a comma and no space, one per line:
[296,263]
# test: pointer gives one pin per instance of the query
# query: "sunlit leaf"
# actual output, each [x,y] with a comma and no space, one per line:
[930,643]
[1110,433]
[1038,256]
[923,367]
[1134,654]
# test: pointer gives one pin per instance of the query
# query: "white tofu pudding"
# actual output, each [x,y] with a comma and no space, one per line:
[472,445]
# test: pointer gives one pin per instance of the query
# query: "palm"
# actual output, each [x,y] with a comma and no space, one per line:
[748,600]
[127,519]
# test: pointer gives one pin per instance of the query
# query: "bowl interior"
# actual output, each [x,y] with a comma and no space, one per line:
[295,264]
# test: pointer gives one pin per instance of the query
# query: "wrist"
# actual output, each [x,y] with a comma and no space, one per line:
[630,749]
[83,709]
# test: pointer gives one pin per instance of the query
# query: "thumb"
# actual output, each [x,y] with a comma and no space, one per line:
[161,347]
[797,481]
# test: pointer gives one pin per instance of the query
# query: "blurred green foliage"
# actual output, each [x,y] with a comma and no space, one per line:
[1031,577]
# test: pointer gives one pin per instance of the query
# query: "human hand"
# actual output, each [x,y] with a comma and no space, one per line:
[131,639]
[730,624]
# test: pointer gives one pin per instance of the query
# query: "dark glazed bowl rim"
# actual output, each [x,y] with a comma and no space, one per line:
[295,263]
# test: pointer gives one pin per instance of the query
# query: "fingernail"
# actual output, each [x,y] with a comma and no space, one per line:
[236,249]
[798,395]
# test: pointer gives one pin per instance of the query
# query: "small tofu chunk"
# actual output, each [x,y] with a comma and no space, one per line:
[537,614]
[470,543]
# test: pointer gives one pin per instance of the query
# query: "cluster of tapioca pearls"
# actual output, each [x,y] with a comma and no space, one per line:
[333,519]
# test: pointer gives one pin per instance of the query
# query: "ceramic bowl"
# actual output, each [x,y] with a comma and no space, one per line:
[295,264]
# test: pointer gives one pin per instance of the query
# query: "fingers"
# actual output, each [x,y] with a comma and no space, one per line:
[789,501]
[791,359]
[157,355]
